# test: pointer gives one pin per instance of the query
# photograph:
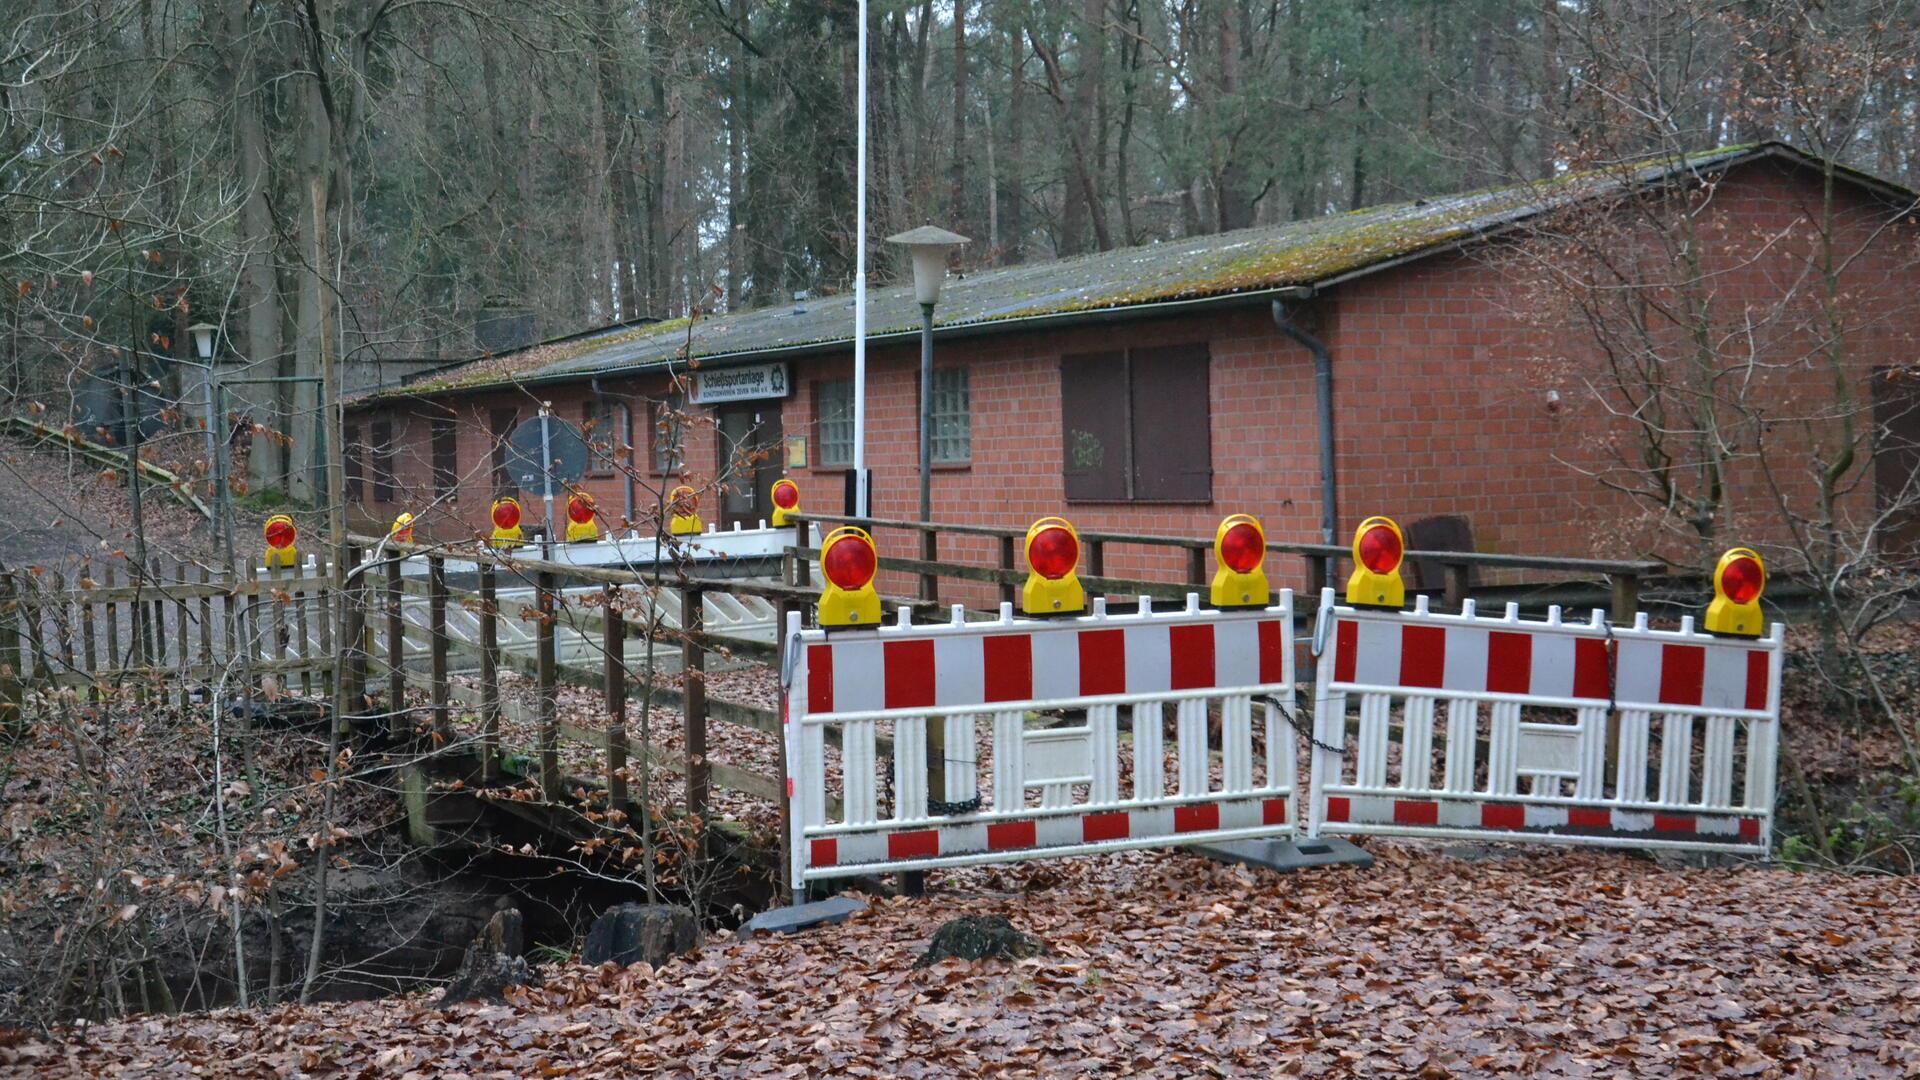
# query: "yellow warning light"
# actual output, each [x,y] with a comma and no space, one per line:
[684,503]
[506,523]
[281,536]
[1053,554]
[402,530]
[786,501]
[582,518]
[1378,547]
[1737,584]
[1240,545]
[848,561]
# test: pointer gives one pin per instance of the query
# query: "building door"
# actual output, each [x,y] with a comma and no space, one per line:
[750,454]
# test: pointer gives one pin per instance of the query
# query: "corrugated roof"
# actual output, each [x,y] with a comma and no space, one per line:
[1222,265]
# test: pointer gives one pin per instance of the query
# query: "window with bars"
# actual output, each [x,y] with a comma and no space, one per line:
[833,423]
[446,458]
[669,433]
[952,417]
[384,459]
[500,424]
[353,452]
[604,425]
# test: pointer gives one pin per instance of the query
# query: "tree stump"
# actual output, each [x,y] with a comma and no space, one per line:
[493,962]
[976,937]
[632,933]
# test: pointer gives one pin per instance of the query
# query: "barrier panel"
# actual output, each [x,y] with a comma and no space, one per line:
[1051,773]
[1693,719]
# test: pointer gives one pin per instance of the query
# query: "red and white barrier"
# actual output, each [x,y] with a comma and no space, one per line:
[1543,695]
[1051,778]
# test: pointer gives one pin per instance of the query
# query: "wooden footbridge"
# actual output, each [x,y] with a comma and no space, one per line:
[469,651]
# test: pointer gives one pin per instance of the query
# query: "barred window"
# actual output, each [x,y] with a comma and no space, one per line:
[355,462]
[833,417]
[604,426]
[669,433]
[952,417]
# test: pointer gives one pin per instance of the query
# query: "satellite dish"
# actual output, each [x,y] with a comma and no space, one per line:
[564,460]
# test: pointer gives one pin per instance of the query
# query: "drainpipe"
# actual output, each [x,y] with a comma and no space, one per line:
[1323,399]
[625,439]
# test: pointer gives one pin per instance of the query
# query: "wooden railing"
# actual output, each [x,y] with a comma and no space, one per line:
[1322,562]
[382,588]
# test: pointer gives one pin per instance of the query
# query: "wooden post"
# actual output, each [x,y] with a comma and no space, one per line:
[782,609]
[113,628]
[1009,592]
[353,632]
[182,636]
[802,566]
[614,644]
[693,690]
[88,656]
[1458,575]
[929,550]
[301,594]
[1097,558]
[1626,597]
[551,784]
[10,672]
[489,677]
[437,623]
[328,666]
[1197,568]
[206,617]
[396,656]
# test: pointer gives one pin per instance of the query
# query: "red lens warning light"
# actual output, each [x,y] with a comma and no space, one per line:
[580,508]
[506,514]
[1240,545]
[1743,579]
[1053,552]
[1242,548]
[281,533]
[1380,549]
[1738,581]
[848,561]
[786,495]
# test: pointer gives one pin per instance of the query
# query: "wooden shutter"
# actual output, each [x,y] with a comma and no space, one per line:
[1172,428]
[1093,419]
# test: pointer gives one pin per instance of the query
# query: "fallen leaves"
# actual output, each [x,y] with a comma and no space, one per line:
[1539,963]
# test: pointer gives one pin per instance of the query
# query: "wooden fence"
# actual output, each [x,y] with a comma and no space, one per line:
[1320,562]
[239,626]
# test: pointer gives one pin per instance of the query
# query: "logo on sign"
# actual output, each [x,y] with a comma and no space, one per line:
[740,383]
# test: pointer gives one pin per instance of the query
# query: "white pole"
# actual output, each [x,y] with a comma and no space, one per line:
[860,288]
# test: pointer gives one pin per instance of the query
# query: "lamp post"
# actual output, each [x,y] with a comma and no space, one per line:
[928,246]
[205,336]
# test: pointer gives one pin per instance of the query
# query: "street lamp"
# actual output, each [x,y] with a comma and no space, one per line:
[928,246]
[205,335]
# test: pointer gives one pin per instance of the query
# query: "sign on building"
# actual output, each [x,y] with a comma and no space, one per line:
[739,383]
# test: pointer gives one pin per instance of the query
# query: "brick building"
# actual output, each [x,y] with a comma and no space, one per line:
[1156,389]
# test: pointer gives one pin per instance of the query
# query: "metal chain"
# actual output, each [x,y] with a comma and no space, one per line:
[936,807]
[1293,717]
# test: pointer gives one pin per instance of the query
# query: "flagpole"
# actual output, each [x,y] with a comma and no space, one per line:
[860,288]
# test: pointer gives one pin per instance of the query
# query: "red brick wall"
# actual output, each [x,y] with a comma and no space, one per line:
[1440,386]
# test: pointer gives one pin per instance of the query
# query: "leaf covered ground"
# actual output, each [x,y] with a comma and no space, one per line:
[1530,962]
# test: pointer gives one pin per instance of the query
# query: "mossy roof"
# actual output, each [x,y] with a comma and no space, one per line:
[1216,266]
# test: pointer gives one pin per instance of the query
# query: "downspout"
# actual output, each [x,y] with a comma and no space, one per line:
[625,439]
[1323,400]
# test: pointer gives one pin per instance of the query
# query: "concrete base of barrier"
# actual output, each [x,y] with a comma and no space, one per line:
[797,917]
[1286,856]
